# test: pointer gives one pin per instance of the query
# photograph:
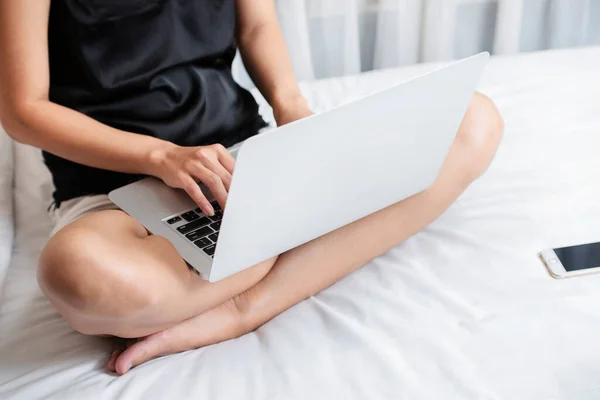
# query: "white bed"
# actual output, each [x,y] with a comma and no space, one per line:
[463,310]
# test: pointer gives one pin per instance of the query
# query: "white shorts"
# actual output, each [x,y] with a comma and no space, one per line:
[73,209]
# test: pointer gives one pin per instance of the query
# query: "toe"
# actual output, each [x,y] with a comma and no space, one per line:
[113,358]
[140,352]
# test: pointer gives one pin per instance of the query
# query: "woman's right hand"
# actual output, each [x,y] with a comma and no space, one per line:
[183,167]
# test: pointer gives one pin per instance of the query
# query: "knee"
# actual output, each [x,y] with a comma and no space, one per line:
[479,136]
[82,278]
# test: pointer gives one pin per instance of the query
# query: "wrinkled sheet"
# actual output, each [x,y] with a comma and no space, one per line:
[463,310]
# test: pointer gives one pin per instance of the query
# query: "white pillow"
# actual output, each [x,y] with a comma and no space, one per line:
[6,203]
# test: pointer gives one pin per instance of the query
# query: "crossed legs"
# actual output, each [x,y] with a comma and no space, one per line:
[107,276]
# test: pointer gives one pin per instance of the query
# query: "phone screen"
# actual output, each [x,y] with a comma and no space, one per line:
[575,258]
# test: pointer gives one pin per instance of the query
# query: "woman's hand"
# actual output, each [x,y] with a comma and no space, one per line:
[183,167]
[291,115]
[291,111]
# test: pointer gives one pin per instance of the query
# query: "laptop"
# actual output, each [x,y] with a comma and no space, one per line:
[310,177]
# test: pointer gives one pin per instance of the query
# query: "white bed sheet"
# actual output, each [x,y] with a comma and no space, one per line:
[6,204]
[462,310]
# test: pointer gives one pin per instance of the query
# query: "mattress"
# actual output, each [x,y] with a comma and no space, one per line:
[462,310]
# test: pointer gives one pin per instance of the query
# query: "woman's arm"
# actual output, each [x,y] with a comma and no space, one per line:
[266,57]
[29,117]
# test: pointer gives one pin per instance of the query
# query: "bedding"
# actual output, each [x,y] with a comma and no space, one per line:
[6,204]
[463,310]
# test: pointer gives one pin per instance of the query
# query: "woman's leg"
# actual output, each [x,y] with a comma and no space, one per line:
[107,276]
[310,268]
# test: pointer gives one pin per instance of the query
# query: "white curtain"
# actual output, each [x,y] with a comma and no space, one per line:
[341,37]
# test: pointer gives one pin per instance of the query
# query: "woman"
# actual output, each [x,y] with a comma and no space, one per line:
[112,91]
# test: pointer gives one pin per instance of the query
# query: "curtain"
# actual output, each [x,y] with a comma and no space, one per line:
[329,38]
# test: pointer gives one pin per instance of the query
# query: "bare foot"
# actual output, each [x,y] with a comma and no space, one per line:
[218,324]
[120,346]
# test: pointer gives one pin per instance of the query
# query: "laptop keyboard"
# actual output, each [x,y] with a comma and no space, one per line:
[198,228]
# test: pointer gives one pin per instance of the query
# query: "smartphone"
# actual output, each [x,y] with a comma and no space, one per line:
[566,262]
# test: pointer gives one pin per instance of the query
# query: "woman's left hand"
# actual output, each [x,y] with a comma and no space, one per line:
[291,112]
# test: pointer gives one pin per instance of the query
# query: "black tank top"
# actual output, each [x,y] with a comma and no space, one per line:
[156,67]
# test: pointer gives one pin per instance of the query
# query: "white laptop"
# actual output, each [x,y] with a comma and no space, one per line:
[305,179]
